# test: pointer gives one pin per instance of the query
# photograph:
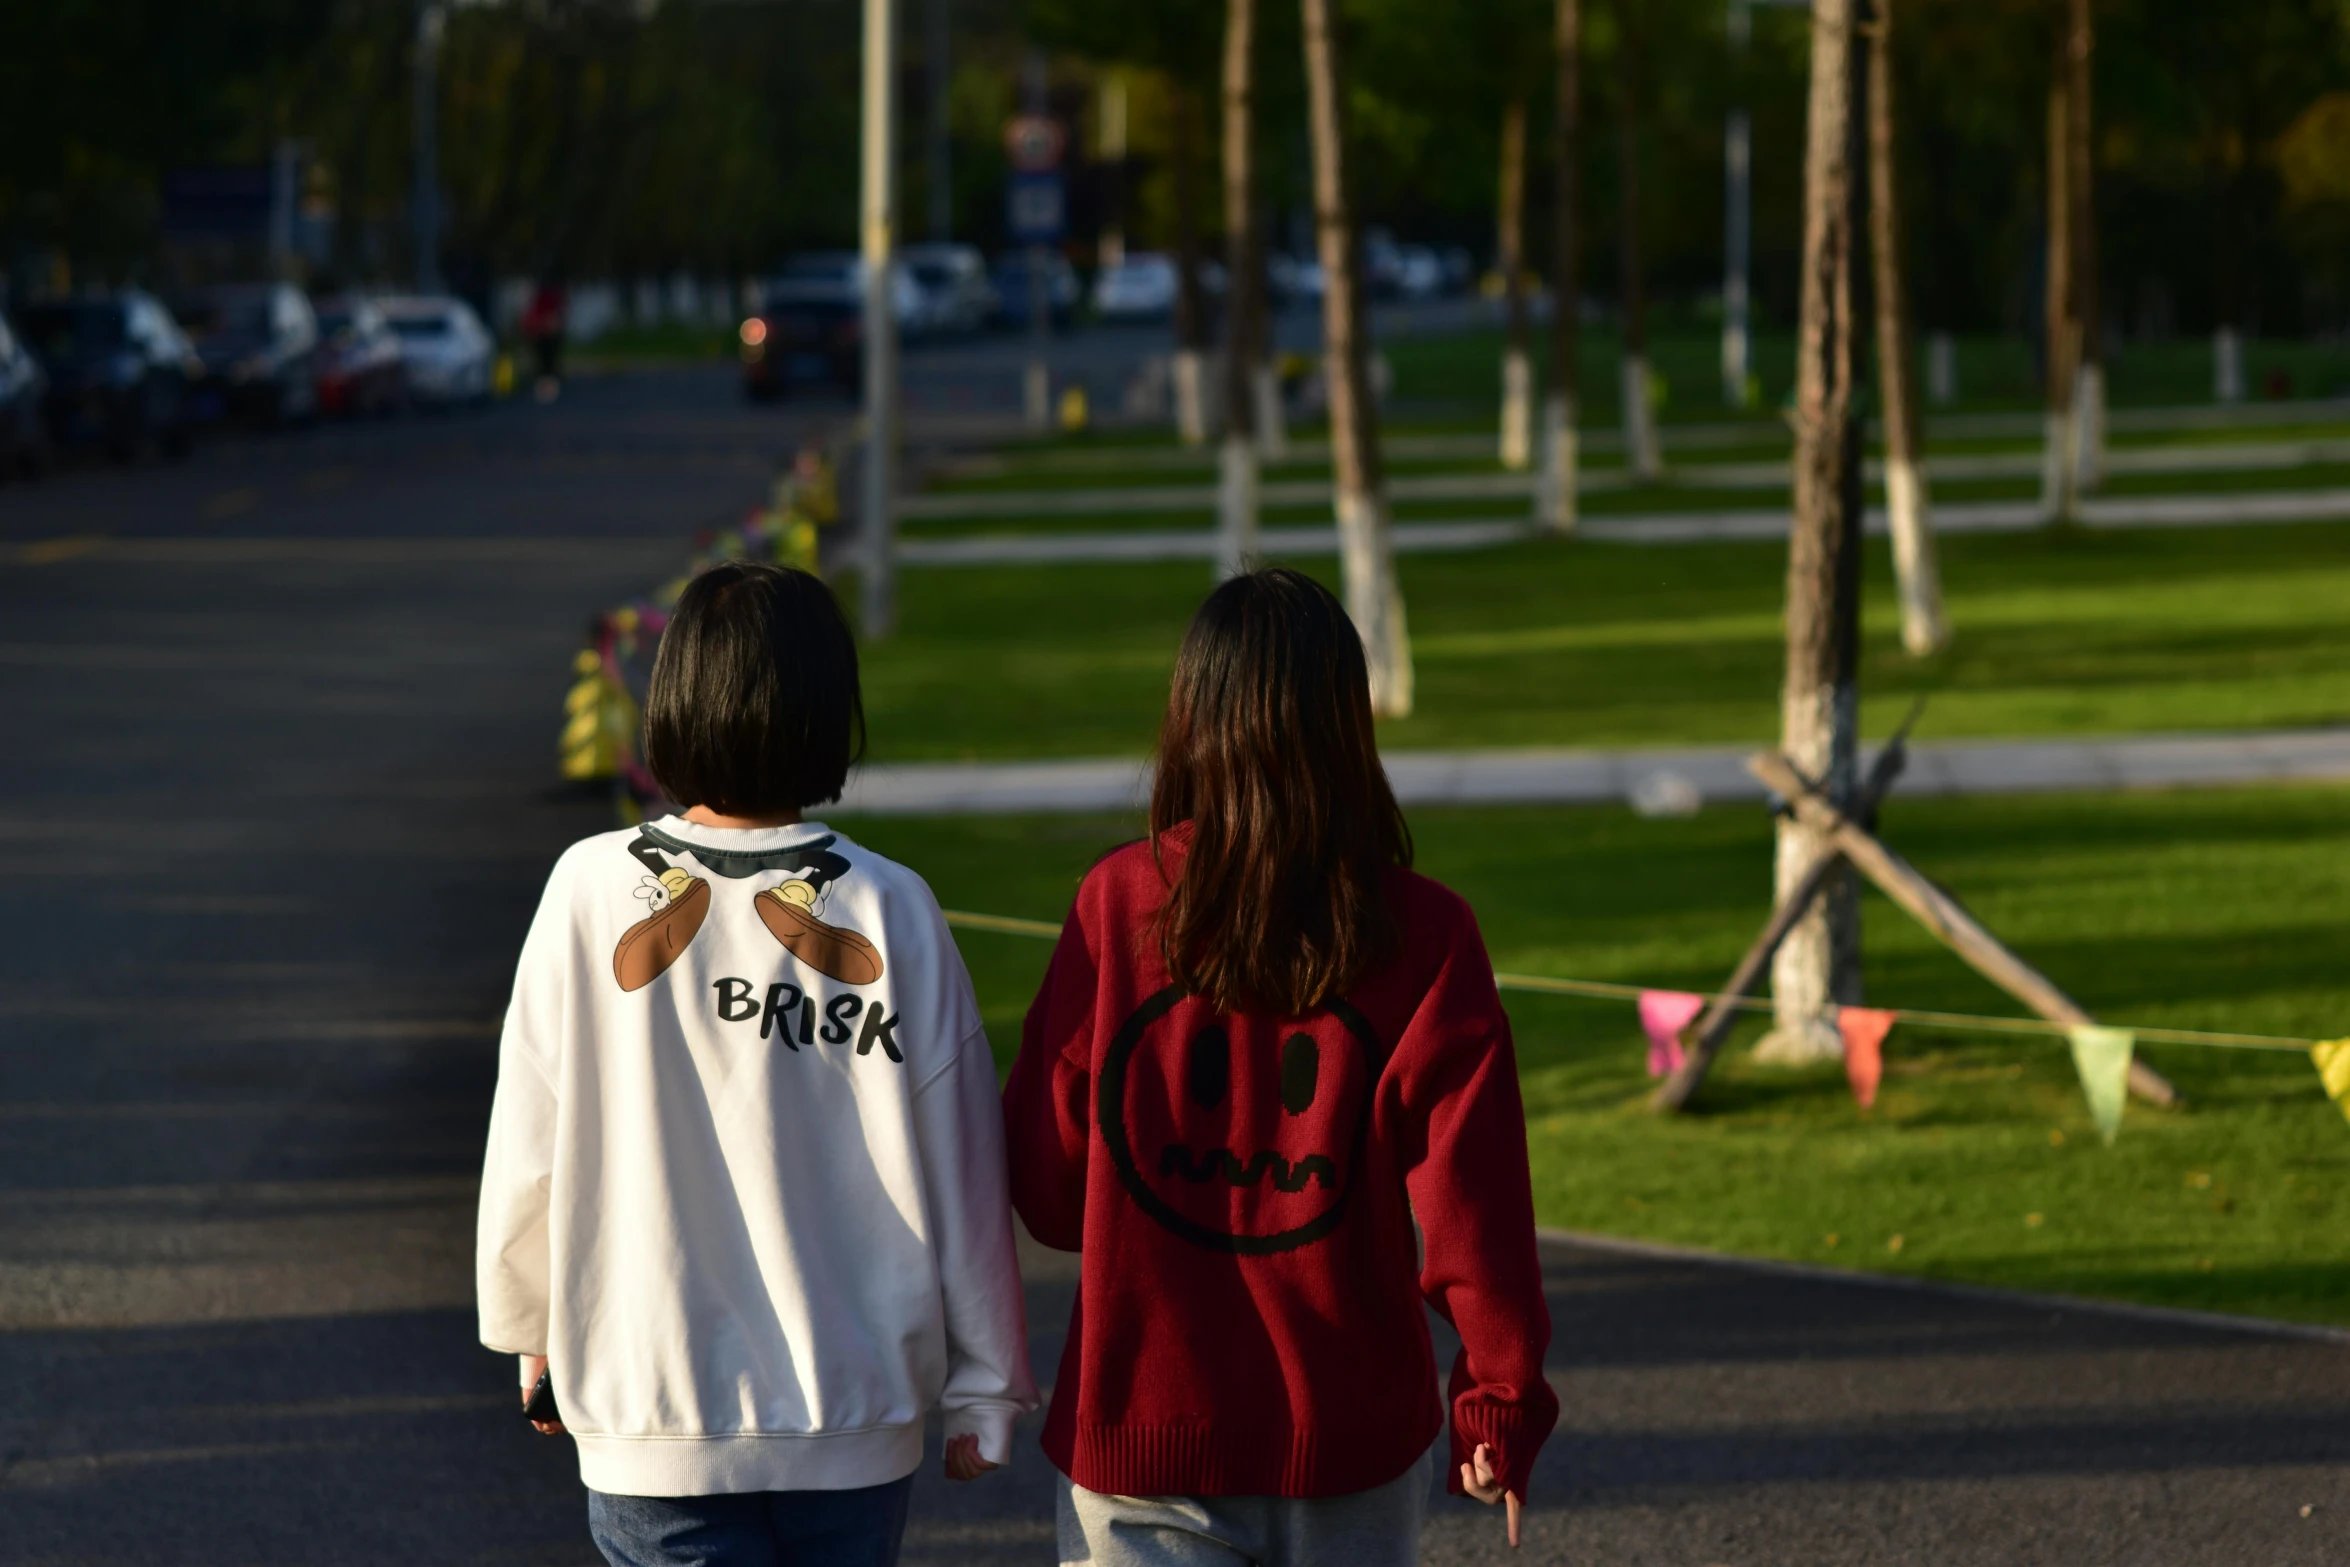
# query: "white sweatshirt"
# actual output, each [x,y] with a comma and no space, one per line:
[745,1185]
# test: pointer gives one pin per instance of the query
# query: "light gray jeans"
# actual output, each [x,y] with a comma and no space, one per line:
[1375,1528]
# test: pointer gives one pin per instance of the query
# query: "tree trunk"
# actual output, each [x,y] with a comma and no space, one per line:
[2060,460]
[1919,576]
[1517,365]
[2081,186]
[1819,964]
[1367,549]
[1640,443]
[1191,334]
[1236,545]
[1556,497]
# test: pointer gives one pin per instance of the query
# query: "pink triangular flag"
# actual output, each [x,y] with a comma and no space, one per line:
[1663,1014]
[1864,1030]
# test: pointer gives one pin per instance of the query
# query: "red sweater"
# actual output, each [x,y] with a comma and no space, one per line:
[1248,1317]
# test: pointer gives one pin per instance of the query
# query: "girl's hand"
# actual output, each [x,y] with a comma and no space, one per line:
[534,1367]
[962,1458]
[1481,1482]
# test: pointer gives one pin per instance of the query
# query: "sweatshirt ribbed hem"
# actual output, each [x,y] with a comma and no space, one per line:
[729,1465]
[1131,1460]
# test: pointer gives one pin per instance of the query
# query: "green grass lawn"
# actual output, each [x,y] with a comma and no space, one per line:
[1583,643]
[2221,910]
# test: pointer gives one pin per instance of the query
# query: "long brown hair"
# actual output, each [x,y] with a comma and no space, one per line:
[1267,752]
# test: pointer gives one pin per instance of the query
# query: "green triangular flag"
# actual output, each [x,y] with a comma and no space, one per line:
[2333,1066]
[2102,1057]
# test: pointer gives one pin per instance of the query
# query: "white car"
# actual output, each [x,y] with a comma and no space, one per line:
[447,351]
[838,277]
[957,298]
[1140,288]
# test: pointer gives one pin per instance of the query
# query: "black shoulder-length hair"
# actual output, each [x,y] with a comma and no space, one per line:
[753,708]
[1267,751]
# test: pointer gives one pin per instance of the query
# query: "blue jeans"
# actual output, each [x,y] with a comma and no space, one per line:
[860,1528]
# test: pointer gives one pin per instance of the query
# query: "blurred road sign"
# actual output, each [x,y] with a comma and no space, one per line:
[1037,209]
[1034,143]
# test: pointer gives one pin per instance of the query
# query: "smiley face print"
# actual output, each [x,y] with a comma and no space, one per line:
[1241,1135]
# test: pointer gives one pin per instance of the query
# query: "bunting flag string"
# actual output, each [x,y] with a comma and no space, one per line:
[1864,1030]
[2102,1057]
[1663,1014]
[2333,1069]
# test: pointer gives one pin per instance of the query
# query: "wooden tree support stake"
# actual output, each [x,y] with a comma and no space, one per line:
[1940,913]
[1713,1030]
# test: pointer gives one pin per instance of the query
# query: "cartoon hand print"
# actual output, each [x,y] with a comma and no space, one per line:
[679,903]
[1238,1134]
[789,913]
[790,910]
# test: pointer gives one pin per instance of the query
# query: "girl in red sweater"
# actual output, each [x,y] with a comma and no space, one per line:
[1264,1046]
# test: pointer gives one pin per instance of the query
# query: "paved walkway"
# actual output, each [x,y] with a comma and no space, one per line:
[1752,1415]
[1147,500]
[1661,778]
[1675,527]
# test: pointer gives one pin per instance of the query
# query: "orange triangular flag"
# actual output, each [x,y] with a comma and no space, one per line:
[1864,1030]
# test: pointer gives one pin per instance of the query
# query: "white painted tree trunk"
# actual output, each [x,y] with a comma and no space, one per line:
[1517,411]
[2227,365]
[1923,628]
[1191,399]
[1554,497]
[1942,369]
[1640,443]
[2089,429]
[1236,507]
[1818,966]
[2060,460]
[1374,599]
[1272,417]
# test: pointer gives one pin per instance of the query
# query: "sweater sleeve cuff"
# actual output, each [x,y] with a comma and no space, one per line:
[1514,1435]
[991,1423]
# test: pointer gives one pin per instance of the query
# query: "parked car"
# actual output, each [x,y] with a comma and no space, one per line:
[121,372]
[24,418]
[838,276]
[1011,289]
[1382,264]
[809,340]
[1460,270]
[1419,273]
[362,369]
[259,344]
[1141,287]
[446,354]
[957,298]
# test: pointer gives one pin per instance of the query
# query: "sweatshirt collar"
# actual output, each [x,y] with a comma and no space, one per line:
[748,840]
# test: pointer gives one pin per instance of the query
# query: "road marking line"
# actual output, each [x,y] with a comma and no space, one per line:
[49,551]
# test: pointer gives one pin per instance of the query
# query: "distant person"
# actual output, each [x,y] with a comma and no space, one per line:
[543,323]
[1263,1048]
[744,1204]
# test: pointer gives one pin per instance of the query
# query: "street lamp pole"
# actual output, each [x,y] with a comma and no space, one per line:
[425,203]
[879,243]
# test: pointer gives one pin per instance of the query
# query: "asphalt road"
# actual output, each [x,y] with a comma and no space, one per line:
[278,799]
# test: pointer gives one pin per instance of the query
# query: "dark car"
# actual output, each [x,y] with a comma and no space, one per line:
[24,420]
[259,344]
[120,371]
[362,369]
[1062,291]
[805,340]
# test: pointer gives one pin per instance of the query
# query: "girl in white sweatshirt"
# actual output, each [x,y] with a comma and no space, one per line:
[744,1200]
